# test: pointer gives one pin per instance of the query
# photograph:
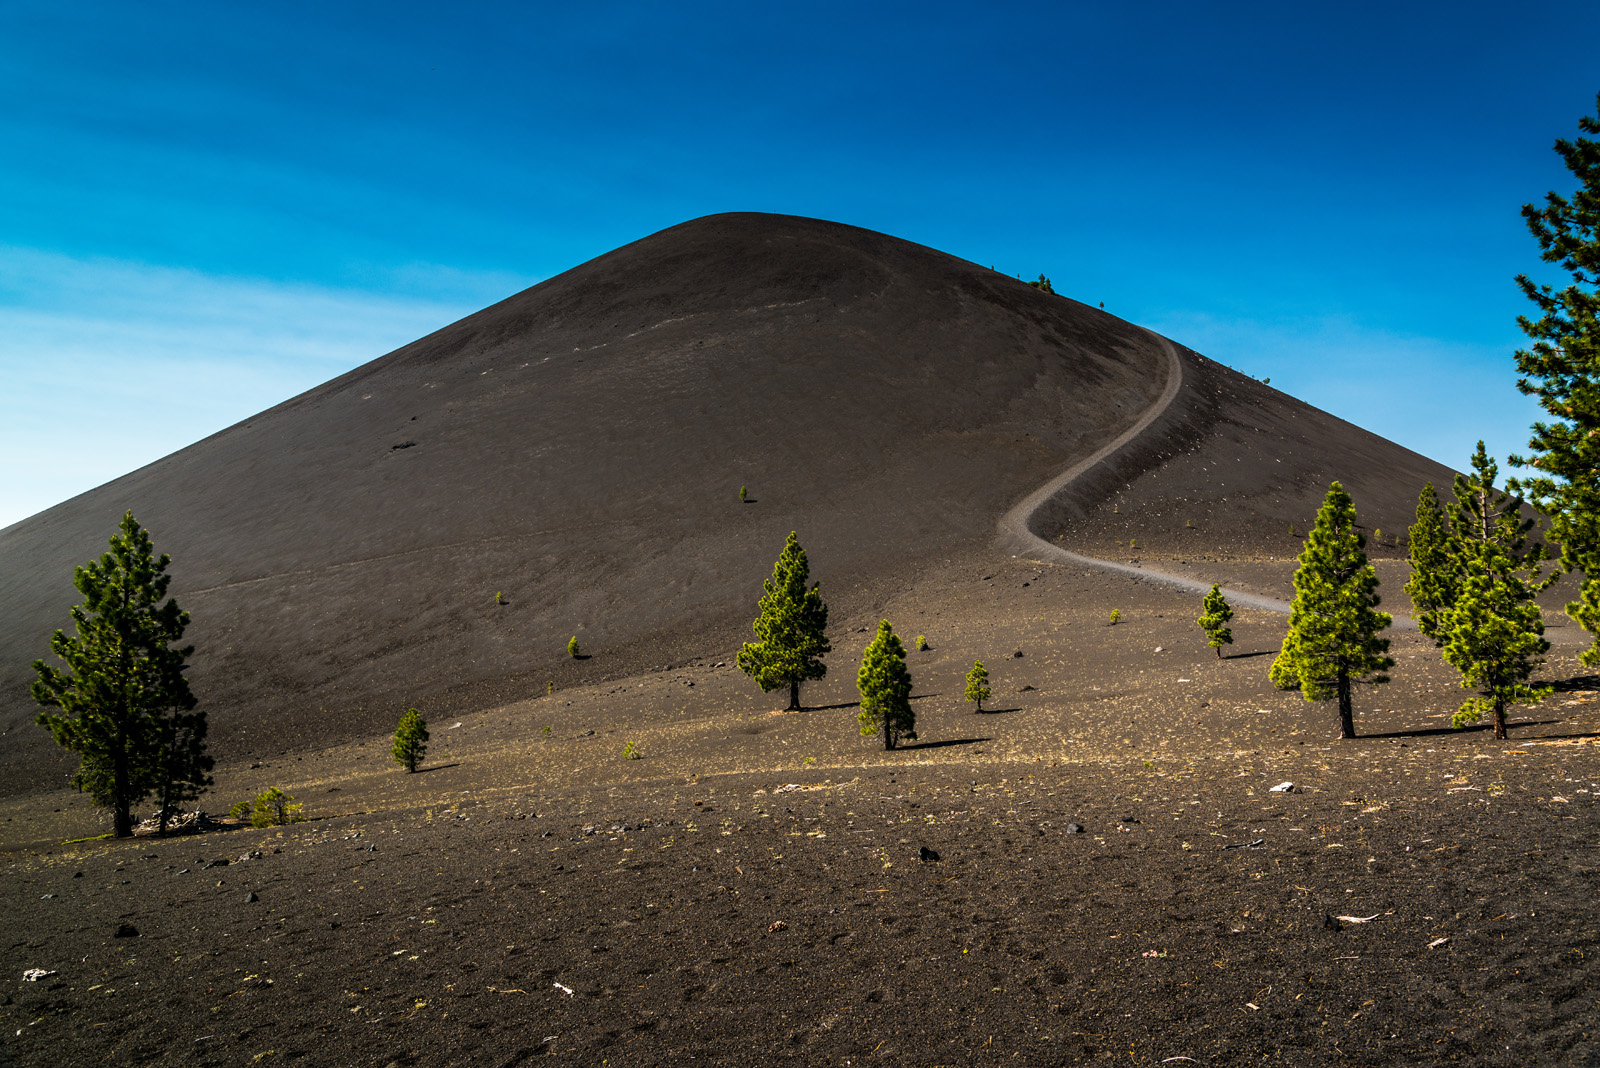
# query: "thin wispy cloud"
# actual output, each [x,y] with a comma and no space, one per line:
[109,365]
[1434,396]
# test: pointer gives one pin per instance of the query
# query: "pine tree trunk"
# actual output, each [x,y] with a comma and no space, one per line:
[888,738]
[121,806]
[1219,652]
[1500,720]
[794,695]
[1347,718]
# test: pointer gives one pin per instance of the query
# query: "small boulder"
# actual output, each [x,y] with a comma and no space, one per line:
[1074,828]
[926,855]
[126,930]
[251,898]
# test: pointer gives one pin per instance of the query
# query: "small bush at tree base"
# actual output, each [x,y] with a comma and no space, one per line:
[274,808]
[240,811]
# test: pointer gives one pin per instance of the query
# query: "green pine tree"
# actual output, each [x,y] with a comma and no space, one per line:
[1214,619]
[410,739]
[1563,370]
[792,628]
[1333,641]
[1435,580]
[977,685]
[125,706]
[885,686]
[1493,632]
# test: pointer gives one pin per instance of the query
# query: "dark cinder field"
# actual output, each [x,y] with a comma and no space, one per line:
[427,919]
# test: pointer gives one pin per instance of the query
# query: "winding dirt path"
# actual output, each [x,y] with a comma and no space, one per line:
[1017,537]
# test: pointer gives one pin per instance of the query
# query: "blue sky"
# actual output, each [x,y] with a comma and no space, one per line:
[205,209]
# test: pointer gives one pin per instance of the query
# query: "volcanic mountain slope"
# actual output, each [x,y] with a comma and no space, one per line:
[579,448]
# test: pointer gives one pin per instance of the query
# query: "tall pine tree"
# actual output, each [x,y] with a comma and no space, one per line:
[1562,369]
[1334,623]
[885,686]
[125,707]
[1435,582]
[792,628]
[1493,632]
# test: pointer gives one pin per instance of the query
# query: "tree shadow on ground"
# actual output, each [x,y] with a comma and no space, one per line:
[438,767]
[1250,656]
[828,708]
[995,711]
[941,745]
[1471,728]
[1577,682]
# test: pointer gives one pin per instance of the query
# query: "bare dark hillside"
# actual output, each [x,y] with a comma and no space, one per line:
[580,447]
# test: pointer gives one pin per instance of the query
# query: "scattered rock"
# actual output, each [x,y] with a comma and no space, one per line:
[77,875]
[1159,649]
[1074,828]
[927,856]
[1329,923]
[47,897]
[588,828]
[777,925]
[33,975]
[251,898]
[1282,788]
[1024,689]
[126,930]
[1017,655]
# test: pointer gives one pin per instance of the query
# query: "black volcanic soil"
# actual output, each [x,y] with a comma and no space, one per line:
[751,889]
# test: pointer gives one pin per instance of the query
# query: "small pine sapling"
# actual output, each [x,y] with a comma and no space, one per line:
[1116,616]
[922,643]
[1216,612]
[977,685]
[240,810]
[550,687]
[885,686]
[274,808]
[572,647]
[631,752]
[499,597]
[410,740]
[744,495]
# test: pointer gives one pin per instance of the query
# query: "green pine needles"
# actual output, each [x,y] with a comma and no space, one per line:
[410,740]
[1215,614]
[977,685]
[125,707]
[572,647]
[1563,370]
[1434,584]
[791,628]
[274,808]
[885,686]
[1493,633]
[1334,623]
